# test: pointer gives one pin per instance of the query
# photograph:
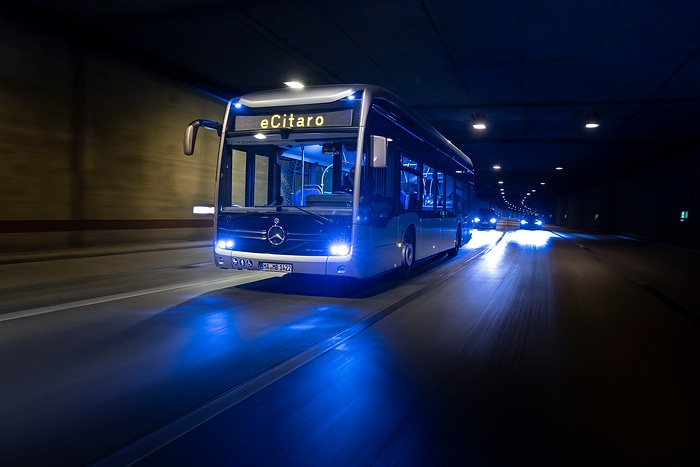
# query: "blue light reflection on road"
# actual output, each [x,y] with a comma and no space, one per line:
[344,406]
[355,402]
[211,330]
[239,332]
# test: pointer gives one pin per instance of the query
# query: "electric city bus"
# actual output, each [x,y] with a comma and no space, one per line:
[336,180]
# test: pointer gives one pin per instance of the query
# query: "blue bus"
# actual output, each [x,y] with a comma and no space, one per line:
[336,180]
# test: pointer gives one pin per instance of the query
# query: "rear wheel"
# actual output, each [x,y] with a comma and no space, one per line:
[408,253]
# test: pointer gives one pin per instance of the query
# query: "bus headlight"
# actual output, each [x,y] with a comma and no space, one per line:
[225,244]
[339,249]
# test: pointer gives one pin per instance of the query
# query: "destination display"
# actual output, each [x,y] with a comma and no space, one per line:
[293,120]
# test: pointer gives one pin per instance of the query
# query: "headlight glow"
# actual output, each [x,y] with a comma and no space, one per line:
[492,220]
[225,244]
[476,219]
[339,249]
[523,222]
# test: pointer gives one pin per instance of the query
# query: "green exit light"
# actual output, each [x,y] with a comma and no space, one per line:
[684,216]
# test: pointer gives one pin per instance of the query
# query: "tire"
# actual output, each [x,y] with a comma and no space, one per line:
[408,253]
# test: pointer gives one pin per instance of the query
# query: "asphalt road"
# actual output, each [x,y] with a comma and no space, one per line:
[533,348]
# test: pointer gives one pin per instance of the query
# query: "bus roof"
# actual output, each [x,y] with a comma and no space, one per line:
[325,94]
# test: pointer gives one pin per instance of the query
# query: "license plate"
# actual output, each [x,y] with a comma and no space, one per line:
[276,267]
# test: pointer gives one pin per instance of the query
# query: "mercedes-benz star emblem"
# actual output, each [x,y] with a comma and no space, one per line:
[276,234]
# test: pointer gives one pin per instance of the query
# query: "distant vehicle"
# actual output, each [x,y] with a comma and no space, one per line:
[531,222]
[485,219]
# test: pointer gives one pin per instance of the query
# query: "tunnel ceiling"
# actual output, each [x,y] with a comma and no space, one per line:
[534,71]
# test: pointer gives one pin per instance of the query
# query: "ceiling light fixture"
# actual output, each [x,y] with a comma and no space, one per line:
[479,122]
[294,84]
[593,120]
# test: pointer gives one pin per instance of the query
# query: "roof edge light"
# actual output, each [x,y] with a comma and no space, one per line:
[290,96]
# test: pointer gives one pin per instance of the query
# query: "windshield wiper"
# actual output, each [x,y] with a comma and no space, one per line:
[324,219]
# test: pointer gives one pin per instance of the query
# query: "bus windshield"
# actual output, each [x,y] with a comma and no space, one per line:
[285,172]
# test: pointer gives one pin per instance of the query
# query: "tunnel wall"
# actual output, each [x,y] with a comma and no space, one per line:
[91,148]
[645,203]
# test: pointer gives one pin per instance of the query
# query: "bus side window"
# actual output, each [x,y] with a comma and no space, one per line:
[429,188]
[449,189]
[409,191]
[413,202]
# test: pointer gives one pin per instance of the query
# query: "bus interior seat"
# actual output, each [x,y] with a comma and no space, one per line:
[300,197]
[343,200]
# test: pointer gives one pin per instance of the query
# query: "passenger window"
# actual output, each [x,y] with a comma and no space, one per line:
[409,191]
[429,188]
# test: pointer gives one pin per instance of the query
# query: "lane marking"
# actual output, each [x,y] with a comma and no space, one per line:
[108,298]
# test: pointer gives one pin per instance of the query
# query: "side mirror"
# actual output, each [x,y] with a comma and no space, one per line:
[191,133]
[378,149]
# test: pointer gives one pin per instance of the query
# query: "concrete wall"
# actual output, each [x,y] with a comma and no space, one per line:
[86,137]
[646,203]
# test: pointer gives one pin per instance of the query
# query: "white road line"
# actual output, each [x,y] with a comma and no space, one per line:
[110,298]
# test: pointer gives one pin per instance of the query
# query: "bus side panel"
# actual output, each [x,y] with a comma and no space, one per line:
[448,233]
[428,240]
[362,262]
[385,246]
